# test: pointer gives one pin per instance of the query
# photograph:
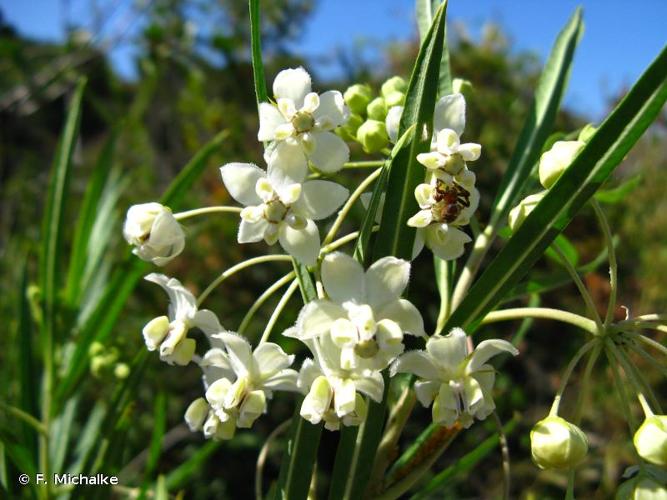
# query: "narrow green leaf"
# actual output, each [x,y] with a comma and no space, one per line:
[86,219]
[60,434]
[465,464]
[161,492]
[405,173]
[306,285]
[86,439]
[53,224]
[541,117]
[620,193]
[181,474]
[606,149]
[344,455]
[159,428]
[424,15]
[256,50]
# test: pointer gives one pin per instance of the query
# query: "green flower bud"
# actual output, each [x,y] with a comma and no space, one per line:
[393,85]
[357,97]
[641,488]
[372,135]
[394,99]
[557,444]
[121,371]
[519,213]
[586,133]
[349,130]
[554,162]
[461,86]
[377,109]
[651,439]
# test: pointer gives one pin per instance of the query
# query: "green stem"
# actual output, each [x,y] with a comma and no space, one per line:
[348,206]
[638,381]
[585,382]
[481,246]
[256,50]
[625,404]
[569,494]
[505,453]
[544,313]
[206,210]
[645,406]
[590,305]
[239,267]
[654,362]
[263,298]
[278,310]
[613,265]
[24,416]
[263,453]
[364,164]
[568,372]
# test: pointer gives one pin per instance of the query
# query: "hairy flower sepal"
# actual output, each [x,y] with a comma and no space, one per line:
[169,333]
[556,443]
[364,315]
[278,209]
[301,122]
[154,232]
[457,382]
[650,440]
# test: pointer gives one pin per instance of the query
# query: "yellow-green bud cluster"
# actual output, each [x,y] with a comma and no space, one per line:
[369,111]
[104,360]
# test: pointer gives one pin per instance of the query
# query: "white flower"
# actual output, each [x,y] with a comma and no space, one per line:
[445,206]
[457,382]
[201,417]
[155,233]
[301,124]
[554,162]
[364,314]
[278,209]
[250,378]
[333,394]
[170,333]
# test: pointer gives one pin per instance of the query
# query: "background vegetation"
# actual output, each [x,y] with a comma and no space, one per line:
[136,136]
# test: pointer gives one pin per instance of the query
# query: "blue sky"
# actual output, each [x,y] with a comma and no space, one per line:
[621,38]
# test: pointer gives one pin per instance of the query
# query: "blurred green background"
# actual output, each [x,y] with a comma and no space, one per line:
[189,87]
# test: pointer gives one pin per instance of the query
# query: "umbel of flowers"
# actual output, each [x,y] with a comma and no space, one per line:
[355,330]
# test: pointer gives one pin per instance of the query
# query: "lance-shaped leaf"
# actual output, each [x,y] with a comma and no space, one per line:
[606,149]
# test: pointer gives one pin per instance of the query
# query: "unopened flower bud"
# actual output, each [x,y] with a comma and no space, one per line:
[651,439]
[357,98]
[155,233]
[557,444]
[461,86]
[196,414]
[587,132]
[394,99]
[349,130]
[377,109]
[642,487]
[373,136]
[121,371]
[519,213]
[395,84]
[554,162]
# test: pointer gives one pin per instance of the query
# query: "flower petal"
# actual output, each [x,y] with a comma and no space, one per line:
[182,303]
[284,380]
[319,199]
[372,385]
[240,180]
[332,111]
[345,394]
[392,122]
[269,119]
[316,317]
[330,152]
[470,151]
[302,244]
[307,374]
[270,359]
[405,314]
[252,232]
[292,83]
[207,322]
[286,164]
[450,112]
[343,278]
[419,363]
[445,241]
[426,391]
[386,280]
[448,351]
[240,354]
[486,350]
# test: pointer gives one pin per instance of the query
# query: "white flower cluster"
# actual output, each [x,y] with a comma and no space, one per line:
[356,329]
